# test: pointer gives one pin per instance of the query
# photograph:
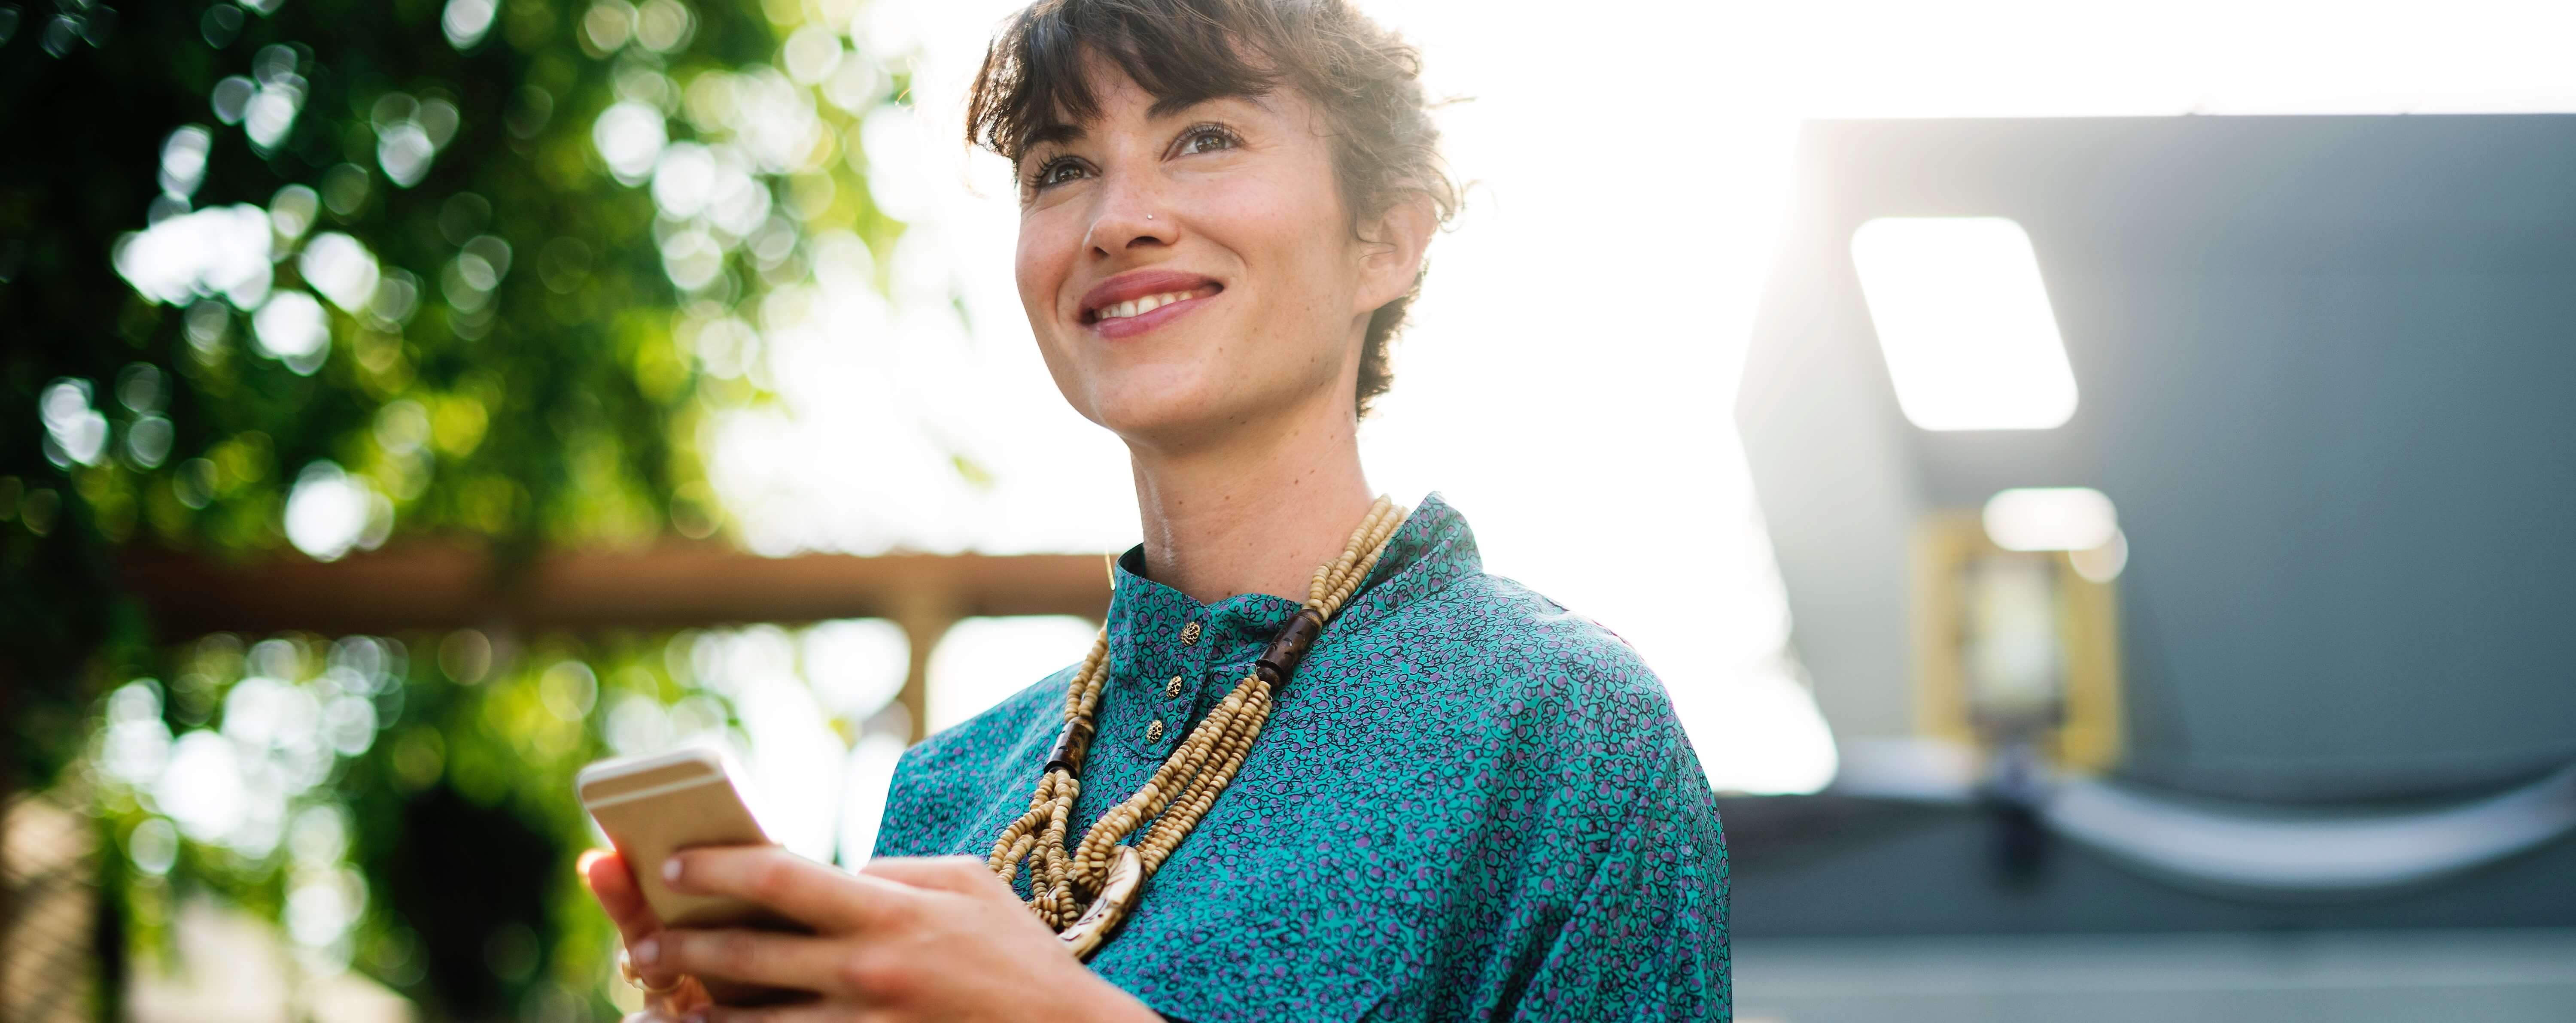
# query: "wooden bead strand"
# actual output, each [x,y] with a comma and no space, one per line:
[1085,890]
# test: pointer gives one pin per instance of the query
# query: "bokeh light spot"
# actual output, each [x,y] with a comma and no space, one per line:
[326,512]
[629,136]
[292,328]
[467,21]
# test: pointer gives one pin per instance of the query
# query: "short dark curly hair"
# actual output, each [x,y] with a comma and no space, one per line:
[1363,78]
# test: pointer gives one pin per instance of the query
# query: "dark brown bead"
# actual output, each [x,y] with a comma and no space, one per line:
[1071,748]
[1288,649]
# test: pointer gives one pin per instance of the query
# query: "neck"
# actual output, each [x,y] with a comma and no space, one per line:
[1255,515]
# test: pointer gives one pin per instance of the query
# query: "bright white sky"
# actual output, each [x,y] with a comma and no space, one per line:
[1568,380]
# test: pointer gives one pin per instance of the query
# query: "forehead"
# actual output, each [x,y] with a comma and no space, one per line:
[1113,95]
[1067,91]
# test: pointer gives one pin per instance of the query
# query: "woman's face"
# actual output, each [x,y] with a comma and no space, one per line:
[1191,272]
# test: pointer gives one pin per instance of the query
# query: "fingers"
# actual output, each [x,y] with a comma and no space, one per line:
[811,893]
[677,1003]
[674,1007]
[817,1011]
[652,1014]
[614,886]
[763,958]
[605,873]
[965,875]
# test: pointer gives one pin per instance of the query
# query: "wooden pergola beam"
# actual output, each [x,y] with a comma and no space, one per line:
[667,587]
[671,586]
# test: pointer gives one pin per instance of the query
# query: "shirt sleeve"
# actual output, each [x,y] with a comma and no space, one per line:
[1646,939]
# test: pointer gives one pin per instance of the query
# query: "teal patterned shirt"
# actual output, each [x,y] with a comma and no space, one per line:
[1469,804]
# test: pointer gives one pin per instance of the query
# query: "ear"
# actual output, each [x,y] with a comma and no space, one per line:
[1391,252]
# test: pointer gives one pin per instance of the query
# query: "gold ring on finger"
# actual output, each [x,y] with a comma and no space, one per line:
[626,969]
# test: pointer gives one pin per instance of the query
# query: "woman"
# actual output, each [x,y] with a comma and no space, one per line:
[1403,790]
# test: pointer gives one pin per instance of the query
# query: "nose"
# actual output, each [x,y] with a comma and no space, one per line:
[1127,219]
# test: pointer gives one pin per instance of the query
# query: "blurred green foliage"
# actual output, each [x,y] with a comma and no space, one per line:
[462,195]
[401,808]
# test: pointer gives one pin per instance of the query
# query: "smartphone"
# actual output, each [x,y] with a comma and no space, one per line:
[659,803]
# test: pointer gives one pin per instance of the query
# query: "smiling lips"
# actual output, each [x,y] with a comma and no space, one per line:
[1141,300]
[1147,304]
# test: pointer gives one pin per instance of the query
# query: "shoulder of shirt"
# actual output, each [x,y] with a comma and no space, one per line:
[1513,642]
[1485,613]
[1497,666]
[999,728]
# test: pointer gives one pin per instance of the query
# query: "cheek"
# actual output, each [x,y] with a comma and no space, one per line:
[1040,264]
[1268,221]
[1044,258]
[1292,231]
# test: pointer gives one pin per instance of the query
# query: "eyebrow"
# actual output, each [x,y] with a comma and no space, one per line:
[1066,132]
[1052,131]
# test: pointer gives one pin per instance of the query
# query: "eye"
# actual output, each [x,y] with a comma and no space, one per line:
[1056,172]
[1207,138]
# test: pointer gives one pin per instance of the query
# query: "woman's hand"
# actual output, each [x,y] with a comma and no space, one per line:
[903,939]
[614,886]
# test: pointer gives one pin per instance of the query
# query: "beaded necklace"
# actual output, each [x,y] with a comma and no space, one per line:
[1086,891]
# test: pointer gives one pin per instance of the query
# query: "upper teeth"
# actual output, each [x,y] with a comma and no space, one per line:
[1146,304]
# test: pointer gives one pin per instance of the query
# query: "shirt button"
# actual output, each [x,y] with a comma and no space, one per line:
[1172,688]
[1154,732]
[1190,634]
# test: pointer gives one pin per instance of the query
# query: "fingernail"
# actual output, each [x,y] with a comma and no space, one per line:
[671,870]
[648,951]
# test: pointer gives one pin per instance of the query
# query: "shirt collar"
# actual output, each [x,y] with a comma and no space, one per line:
[1433,548]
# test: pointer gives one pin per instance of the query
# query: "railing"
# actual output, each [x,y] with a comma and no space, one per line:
[670,586]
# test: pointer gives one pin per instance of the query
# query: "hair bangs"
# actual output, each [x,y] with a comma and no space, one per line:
[1181,53]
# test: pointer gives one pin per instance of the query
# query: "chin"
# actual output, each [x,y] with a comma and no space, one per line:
[1176,389]
[1155,413]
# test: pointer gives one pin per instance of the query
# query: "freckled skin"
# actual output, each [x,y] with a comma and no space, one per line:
[1283,338]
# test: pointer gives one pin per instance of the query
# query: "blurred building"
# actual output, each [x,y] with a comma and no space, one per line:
[2172,517]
